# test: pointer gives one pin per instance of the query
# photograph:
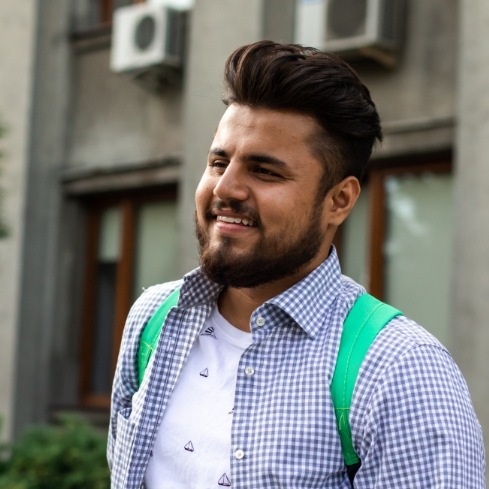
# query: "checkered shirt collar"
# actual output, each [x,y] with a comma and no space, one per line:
[304,302]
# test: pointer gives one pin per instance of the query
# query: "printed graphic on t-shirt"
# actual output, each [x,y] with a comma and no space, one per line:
[224,481]
[204,373]
[210,331]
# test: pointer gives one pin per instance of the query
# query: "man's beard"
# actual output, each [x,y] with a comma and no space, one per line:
[269,260]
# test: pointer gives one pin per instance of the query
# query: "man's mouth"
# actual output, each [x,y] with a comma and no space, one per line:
[236,220]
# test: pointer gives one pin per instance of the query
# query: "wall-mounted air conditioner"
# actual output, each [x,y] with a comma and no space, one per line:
[352,27]
[147,35]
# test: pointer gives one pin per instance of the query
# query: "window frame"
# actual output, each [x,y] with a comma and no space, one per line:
[377,212]
[107,9]
[129,204]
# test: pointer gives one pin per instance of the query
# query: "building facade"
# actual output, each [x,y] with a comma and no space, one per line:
[100,164]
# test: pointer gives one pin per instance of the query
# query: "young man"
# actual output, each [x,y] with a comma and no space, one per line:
[237,392]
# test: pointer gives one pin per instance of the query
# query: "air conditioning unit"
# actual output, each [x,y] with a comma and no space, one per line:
[146,35]
[370,28]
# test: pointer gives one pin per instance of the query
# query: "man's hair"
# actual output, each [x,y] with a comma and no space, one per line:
[305,80]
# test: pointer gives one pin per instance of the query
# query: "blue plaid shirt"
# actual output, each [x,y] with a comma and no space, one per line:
[412,420]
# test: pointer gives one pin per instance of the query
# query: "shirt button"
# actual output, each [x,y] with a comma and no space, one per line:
[249,371]
[239,454]
[260,321]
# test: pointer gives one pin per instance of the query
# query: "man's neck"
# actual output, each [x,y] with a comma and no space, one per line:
[237,304]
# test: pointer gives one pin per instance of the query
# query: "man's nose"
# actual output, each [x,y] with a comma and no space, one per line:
[232,184]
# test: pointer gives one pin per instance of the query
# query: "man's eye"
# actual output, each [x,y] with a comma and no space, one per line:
[218,164]
[265,171]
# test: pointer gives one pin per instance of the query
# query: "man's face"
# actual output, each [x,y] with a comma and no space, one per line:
[258,216]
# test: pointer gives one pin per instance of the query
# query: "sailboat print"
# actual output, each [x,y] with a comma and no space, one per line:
[204,373]
[224,481]
[189,447]
[209,332]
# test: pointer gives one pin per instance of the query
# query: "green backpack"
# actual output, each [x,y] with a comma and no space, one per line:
[365,320]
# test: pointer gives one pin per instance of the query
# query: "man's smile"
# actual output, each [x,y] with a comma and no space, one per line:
[236,220]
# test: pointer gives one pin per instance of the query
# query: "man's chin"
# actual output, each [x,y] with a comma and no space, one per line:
[229,250]
[227,267]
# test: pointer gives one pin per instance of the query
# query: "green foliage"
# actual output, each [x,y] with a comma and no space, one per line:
[70,455]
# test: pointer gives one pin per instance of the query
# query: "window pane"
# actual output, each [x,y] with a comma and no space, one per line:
[355,241]
[157,249]
[101,374]
[110,233]
[107,260]
[418,249]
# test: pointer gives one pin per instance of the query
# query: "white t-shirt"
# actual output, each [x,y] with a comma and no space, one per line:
[193,443]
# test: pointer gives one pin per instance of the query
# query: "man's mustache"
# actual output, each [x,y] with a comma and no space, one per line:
[235,206]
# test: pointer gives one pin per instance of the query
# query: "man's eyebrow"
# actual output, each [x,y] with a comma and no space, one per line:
[217,152]
[253,158]
[260,158]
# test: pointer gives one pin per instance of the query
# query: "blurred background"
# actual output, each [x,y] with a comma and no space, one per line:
[107,110]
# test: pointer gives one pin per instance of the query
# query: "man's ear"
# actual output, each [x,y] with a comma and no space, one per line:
[341,199]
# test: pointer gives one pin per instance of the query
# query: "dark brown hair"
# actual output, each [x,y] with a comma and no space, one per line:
[305,80]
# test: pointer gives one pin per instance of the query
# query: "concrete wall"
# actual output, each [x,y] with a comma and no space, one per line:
[43,298]
[117,121]
[18,22]
[471,260]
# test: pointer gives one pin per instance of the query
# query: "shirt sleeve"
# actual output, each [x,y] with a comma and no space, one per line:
[420,429]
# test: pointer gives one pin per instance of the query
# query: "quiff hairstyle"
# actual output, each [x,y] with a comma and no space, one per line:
[307,81]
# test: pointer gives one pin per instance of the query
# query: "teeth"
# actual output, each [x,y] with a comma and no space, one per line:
[235,220]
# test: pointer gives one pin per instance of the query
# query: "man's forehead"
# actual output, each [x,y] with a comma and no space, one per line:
[241,119]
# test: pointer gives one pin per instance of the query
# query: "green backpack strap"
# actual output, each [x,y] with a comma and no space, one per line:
[365,320]
[152,330]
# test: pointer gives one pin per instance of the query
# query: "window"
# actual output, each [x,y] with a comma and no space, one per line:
[398,241]
[132,243]
[93,14]
[107,8]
